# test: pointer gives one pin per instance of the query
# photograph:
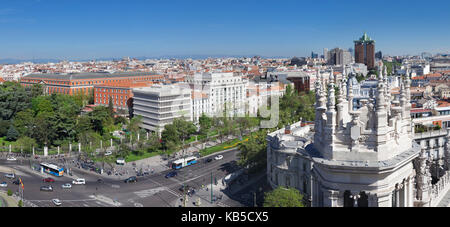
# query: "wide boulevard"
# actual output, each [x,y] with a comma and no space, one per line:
[153,190]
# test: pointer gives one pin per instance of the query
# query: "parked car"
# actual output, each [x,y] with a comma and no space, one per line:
[47,188]
[218,157]
[108,153]
[120,161]
[66,186]
[48,180]
[79,181]
[16,182]
[208,160]
[100,181]
[11,159]
[10,176]
[171,174]
[4,185]
[57,202]
[131,180]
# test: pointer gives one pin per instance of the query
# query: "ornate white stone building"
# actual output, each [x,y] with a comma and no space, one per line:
[364,157]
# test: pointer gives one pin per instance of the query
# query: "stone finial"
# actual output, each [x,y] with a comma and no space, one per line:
[381,101]
[331,101]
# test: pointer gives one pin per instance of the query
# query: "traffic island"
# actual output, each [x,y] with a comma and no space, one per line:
[7,201]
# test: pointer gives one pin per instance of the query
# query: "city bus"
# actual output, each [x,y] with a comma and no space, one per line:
[52,169]
[181,163]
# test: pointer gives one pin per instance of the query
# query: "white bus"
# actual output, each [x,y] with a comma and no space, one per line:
[180,163]
[52,169]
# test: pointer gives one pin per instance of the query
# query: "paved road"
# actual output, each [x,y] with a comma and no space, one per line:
[153,190]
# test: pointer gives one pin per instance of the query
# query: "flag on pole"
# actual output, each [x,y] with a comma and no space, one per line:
[21,183]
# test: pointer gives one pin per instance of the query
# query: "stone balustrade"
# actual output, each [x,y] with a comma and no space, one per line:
[440,189]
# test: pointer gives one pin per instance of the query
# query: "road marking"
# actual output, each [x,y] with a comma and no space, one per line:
[149,192]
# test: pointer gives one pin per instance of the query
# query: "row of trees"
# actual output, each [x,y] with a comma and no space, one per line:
[293,107]
[33,119]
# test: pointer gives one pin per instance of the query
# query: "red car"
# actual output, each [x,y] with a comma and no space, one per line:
[49,180]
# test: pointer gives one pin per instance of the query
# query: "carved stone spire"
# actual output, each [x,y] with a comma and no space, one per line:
[381,101]
[331,98]
[350,94]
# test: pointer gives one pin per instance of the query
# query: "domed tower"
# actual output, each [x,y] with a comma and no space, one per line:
[363,157]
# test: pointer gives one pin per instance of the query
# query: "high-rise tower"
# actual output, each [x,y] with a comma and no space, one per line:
[365,51]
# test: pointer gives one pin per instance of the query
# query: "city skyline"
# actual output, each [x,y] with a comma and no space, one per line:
[48,29]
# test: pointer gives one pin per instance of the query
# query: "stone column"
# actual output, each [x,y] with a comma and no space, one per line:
[405,193]
[45,151]
[79,147]
[58,150]
[333,197]
[101,144]
[147,135]
[111,143]
[397,195]
[410,192]
[313,192]
[33,151]
[10,149]
[138,137]
[372,200]
[70,147]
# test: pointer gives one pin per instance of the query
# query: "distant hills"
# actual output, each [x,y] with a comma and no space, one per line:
[196,57]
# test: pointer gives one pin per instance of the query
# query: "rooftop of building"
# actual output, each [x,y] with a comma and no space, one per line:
[126,84]
[163,90]
[88,75]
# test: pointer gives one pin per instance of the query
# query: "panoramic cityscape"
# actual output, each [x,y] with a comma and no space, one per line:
[349,119]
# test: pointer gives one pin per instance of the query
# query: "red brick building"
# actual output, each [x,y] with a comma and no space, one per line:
[119,93]
[73,83]
[301,83]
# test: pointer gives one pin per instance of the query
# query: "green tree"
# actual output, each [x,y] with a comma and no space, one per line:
[13,99]
[154,143]
[24,122]
[100,119]
[44,131]
[134,124]
[253,153]
[12,134]
[205,124]
[283,197]
[111,107]
[4,126]
[26,143]
[170,134]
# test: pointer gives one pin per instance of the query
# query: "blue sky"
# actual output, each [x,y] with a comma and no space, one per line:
[88,29]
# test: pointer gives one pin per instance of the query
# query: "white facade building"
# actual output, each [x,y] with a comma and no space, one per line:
[353,158]
[224,90]
[161,104]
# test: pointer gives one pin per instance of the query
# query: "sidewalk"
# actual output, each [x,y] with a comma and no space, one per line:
[7,201]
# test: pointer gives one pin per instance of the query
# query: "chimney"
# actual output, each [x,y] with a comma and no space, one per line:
[287,129]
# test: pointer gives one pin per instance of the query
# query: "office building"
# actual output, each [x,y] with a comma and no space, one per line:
[365,51]
[159,105]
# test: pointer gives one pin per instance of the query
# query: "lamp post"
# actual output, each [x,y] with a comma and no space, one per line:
[211,188]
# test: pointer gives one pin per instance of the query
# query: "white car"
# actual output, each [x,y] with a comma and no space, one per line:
[3,185]
[66,186]
[218,157]
[120,161]
[10,176]
[11,159]
[79,181]
[57,202]
[108,153]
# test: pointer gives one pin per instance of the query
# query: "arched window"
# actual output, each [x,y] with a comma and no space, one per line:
[363,200]
[348,201]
